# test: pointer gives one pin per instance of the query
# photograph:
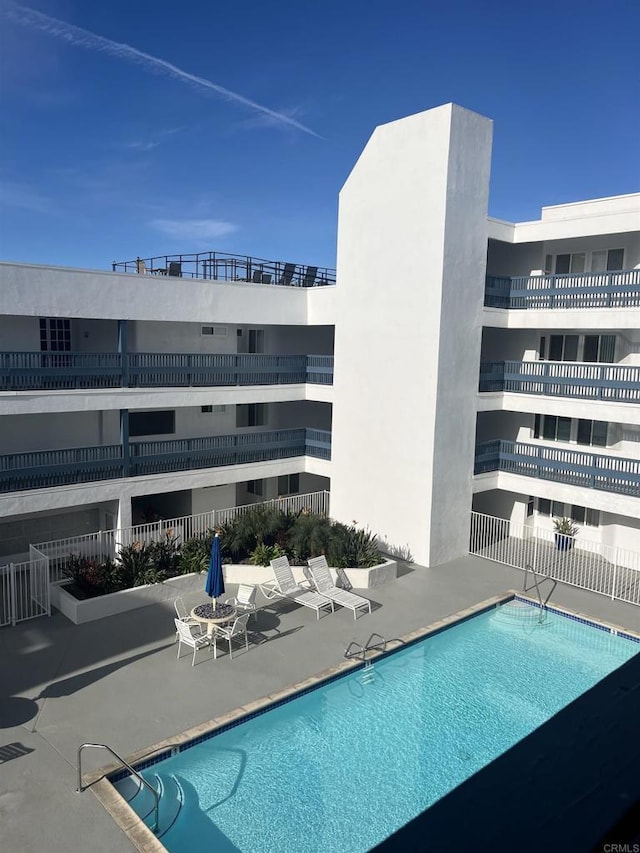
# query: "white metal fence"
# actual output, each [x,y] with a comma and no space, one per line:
[24,589]
[105,543]
[605,569]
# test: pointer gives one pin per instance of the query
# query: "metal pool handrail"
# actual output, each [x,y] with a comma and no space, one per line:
[536,584]
[81,787]
[380,645]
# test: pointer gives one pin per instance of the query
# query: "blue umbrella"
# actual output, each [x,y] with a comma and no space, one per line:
[214,586]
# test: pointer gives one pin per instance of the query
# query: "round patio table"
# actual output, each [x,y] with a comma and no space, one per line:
[222,614]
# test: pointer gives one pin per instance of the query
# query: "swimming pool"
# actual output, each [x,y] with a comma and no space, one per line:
[343,766]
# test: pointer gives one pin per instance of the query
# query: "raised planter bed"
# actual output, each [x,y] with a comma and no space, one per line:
[102,606]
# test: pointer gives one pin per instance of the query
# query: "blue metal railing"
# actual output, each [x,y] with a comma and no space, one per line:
[619,289]
[588,381]
[39,469]
[25,371]
[590,470]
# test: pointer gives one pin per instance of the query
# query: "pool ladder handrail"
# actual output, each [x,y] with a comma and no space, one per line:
[132,770]
[361,651]
[536,583]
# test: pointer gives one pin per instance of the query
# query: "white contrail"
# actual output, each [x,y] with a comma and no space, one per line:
[84,38]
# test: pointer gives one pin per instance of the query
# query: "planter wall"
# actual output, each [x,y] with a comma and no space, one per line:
[92,609]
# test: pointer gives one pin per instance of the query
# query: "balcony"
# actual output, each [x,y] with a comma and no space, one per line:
[55,371]
[220,266]
[589,470]
[619,289]
[46,468]
[586,381]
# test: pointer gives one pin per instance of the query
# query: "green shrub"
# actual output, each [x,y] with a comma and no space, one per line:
[132,560]
[194,555]
[263,554]
[91,577]
[310,536]
[164,555]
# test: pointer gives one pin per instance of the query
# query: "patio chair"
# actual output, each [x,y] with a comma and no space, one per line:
[284,586]
[237,629]
[323,582]
[245,599]
[185,636]
[183,616]
[310,277]
[287,274]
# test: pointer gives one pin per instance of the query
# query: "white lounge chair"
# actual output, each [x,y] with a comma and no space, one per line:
[245,599]
[323,582]
[238,628]
[285,586]
[185,636]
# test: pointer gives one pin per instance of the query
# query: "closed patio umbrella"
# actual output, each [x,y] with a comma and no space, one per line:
[214,586]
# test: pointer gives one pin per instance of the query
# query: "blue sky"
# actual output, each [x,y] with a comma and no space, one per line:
[109,149]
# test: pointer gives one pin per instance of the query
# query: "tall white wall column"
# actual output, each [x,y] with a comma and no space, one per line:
[412,243]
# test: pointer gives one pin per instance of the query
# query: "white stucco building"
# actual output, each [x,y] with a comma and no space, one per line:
[454,363]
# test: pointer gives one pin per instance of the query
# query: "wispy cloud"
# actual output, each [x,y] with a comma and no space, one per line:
[195,230]
[140,145]
[80,37]
[24,197]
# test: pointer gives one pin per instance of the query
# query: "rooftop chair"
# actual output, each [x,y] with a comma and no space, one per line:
[287,275]
[183,616]
[323,582]
[285,586]
[245,599]
[185,636]
[238,628]
[310,276]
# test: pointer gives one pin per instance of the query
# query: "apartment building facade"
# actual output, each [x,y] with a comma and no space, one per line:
[454,363]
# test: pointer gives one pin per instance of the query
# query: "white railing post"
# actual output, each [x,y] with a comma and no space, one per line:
[12,594]
[615,574]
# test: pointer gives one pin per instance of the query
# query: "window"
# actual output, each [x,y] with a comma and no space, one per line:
[599,348]
[586,516]
[288,484]
[557,509]
[570,263]
[255,487]
[607,260]
[251,414]
[219,410]
[55,335]
[592,433]
[152,423]
[536,426]
[206,410]
[216,410]
[217,331]
[530,506]
[563,348]
[256,340]
[592,518]
[555,428]
[544,506]
[543,348]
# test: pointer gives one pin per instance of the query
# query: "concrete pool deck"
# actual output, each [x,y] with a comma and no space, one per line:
[118,682]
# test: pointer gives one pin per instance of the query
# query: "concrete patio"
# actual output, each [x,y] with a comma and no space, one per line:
[118,682]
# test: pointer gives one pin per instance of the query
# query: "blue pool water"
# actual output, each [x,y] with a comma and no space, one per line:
[342,767]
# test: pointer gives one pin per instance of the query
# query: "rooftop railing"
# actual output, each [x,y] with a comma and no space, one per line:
[619,289]
[578,468]
[589,381]
[220,266]
[25,371]
[44,468]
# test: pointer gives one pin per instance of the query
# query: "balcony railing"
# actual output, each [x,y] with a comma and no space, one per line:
[40,469]
[220,266]
[589,470]
[588,381]
[26,371]
[619,289]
